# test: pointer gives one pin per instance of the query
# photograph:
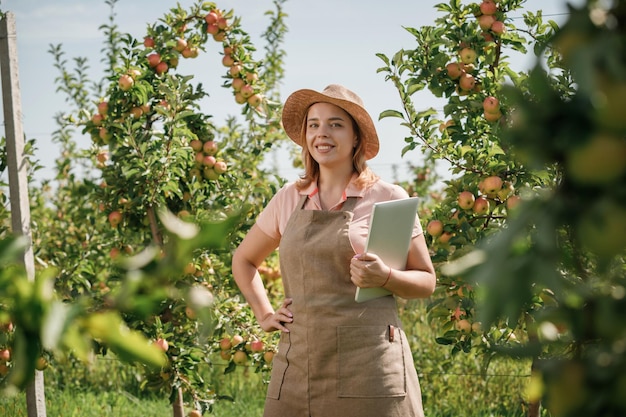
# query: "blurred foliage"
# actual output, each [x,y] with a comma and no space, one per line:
[132,238]
[539,276]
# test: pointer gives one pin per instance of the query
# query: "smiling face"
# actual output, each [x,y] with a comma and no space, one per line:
[330,134]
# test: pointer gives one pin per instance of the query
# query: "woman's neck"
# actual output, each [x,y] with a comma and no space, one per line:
[331,184]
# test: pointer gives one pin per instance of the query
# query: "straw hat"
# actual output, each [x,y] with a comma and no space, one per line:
[298,103]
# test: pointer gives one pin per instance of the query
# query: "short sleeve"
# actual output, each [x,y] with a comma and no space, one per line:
[273,219]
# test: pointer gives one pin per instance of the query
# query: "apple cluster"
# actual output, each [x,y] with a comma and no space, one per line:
[492,191]
[462,71]
[491,109]
[207,166]
[488,19]
[237,349]
[244,79]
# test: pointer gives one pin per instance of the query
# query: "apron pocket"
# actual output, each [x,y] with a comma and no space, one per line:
[371,363]
[279,367]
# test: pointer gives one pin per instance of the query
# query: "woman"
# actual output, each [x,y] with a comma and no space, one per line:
[335,357]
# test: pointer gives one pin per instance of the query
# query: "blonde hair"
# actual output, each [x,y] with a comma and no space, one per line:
[366,177]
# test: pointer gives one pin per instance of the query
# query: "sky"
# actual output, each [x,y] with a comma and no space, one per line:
[328,41]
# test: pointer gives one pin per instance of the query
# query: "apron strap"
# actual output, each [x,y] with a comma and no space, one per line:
[350,203]
[302,201]
[347,206]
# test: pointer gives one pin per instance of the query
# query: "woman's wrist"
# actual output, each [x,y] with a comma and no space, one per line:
[388,277]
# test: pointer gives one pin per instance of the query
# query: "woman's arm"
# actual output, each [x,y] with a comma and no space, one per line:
[418,280]
[252,251]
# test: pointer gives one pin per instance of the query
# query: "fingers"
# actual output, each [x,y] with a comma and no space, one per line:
[280,317]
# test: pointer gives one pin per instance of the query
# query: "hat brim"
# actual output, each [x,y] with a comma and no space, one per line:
[296,108]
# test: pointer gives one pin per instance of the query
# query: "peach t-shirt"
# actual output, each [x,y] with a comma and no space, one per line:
[273,219]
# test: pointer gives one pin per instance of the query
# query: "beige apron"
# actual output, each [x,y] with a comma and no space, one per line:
[340,358]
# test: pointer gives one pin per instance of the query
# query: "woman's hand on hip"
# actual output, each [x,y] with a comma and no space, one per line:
[277,320]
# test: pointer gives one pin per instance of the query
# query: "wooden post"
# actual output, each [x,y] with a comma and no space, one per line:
[18,174]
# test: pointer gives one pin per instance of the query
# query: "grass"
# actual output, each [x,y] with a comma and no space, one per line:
[452,386]
[65,403]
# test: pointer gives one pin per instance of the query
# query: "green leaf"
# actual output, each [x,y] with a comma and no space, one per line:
[390,113]
[129,345]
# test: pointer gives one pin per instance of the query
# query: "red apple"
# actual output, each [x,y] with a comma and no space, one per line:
[467,82]
[512,202]
[115,218]
[454,70]
[225,343]
[148,42]
[445,237]
[435,228]
[102,156]
[210,147]
[220,167]
[492,117]
[126,82]
[247,91]
[104,134]
[236,340]
[238,83]
[485,21]
[96,119]
[463,326]
[240,357]
[195,413]
[196,145]
[222,23]
[488,37]
[268,356]
[228,61]
[468,55]
[257,346]
[239,98]
[488,7]
[251,77]
[466,200]
[498,27]
[491,185]
[235,70]
[103,108]
[5,355]
[161,67]
[211,18]
[481,206]
[255,100]
[190,52]
[162,344]
[491,104]
[181,44]
[136,112]
[208,161]
[154,59]
[212,29]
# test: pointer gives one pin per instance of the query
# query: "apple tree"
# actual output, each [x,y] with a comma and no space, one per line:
[142,216]
[528,234]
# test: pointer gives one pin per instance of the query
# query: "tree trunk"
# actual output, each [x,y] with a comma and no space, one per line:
[178,409]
